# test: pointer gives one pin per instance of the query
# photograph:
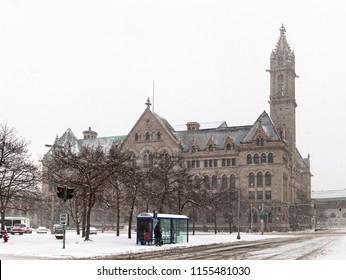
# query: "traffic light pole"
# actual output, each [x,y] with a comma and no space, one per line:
[63,226]
[64,193]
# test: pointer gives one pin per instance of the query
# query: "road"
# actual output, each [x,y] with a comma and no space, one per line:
[301,246]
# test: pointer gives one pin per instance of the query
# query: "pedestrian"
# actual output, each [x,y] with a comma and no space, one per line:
[157,234]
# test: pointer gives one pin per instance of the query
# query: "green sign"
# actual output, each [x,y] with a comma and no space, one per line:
[263,213]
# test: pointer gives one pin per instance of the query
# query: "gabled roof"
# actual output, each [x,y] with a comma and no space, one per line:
[265,124]
[68,139]
[206,125]
[165,122]
[219,135]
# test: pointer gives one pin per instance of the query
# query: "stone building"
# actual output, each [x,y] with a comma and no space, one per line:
[261,161]
[329,208]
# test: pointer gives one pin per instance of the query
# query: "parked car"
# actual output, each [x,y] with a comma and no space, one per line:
[59,232]
[28,230]
[18,228]
[92,230]
[41,230]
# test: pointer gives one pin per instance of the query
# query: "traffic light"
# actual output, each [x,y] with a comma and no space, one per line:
[65,193]
[60,192]
[69,193]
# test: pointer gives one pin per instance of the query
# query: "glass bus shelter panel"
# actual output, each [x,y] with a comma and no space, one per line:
[179,231]
[165,225]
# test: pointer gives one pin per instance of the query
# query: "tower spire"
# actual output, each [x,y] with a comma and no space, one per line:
[282,44]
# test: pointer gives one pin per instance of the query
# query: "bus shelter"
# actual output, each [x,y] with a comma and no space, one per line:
[174,228]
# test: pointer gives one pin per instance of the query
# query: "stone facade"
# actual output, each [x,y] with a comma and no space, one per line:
[329,209]
[261,160]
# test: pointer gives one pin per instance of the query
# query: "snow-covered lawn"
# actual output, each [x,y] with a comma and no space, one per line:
[37,246]
[30,249]
[46,245]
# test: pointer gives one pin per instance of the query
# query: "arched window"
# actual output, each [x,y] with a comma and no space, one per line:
[270,158]
[147,136]
[193,149]
[256,158]
[164,158]
[263,158]
[214,181]
[136,137]
[132,160]
[158,136]
[210,148]
[259,141]
[224,181]
[259,179]
[268,178]
[228,147]
[280,85]
[147,160]
[333,215]
[251,179]
[206,181]
[249,159]
[232,181]
[280,61]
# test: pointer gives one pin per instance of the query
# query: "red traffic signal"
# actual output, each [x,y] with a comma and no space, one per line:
[60,192]
[64,193]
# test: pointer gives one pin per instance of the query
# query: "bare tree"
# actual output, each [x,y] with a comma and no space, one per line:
[169,182]
[300,213]
[19,176]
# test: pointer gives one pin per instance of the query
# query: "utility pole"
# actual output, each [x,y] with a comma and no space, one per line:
[263,212]
[238,236]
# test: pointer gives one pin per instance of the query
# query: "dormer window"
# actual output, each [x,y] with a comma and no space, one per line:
[210,148]
[193,149]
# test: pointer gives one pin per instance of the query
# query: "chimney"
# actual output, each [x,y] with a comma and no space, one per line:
[192,126]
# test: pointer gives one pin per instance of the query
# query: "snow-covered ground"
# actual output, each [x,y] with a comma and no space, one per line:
[29,253]
[38,246]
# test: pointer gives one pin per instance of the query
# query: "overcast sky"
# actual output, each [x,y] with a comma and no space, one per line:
[91,63]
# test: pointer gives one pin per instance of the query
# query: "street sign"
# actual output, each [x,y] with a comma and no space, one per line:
[263,213]
[64,219]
